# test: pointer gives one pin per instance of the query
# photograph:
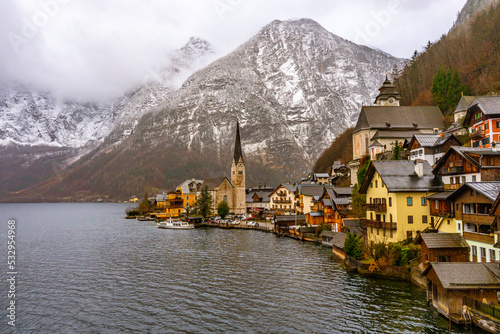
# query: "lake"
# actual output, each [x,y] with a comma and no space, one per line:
[83,268]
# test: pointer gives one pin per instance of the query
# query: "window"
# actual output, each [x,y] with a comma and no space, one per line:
[225,199]
[472,192]
[459,228]
[448,222]
[473,178]
[410,219]
[376,184]
[452,180]
[371,229]
[463,179]
[474,250]
[426,257]
[475,144]
[240,172]
[371,200]
[371,185]
[390,218]
[486,141]
[498,124]
[391,233]
[443,258]
[457,179]
[483,252]
[423,201]
[378,231]
[409,201]
[492,255]
[424,219]
[437,204]
[390,201]
[486,126]
[187,198]
[383,218]
[383,232]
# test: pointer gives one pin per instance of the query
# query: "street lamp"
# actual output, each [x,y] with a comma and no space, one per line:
[187,211]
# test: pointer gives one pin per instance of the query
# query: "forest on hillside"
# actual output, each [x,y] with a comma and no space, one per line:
[472,49]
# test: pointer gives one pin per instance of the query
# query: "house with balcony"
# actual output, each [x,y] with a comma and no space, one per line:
[333,213]
[442,213]
[473,204]
[483,120]
[396,199]
[431,147]
[174,204]
[468,164]
[443,247]
[282,198]
[189,190]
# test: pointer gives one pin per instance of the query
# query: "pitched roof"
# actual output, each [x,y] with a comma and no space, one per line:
[342,191]
[464,103]
[394,134]
[322,175]
[467,275]
[489,189]
[400,176]
[214,182]
[342,200]
[353,225]
[311,189]
[441,196]
[290,218]
[389,117]
[489,105]
[467,153]
[338,240]
[185,185]
[444,240]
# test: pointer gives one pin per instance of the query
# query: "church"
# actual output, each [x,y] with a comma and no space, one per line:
[386,122]
[231,191]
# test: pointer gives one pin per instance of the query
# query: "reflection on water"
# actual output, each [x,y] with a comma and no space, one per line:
[83,268]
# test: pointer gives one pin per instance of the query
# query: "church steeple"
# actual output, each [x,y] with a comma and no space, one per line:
[237,145]
[388,96]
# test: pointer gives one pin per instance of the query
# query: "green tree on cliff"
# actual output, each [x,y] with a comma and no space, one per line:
[203,205]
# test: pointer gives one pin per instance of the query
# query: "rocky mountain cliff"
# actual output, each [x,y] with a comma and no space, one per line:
[471,8]
[295,86]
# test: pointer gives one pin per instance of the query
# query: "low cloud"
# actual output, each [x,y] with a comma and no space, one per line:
[90,50]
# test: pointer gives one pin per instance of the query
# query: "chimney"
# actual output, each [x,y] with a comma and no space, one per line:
[419,168]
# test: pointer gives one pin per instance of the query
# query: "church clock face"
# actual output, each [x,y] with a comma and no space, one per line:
[391,100]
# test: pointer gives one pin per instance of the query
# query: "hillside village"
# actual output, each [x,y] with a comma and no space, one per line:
[421,188]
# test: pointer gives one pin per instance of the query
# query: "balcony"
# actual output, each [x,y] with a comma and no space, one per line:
[477,134]
[177,204]
[445,213]
[452,170]
[478,218]
[283,201]
[378,224]
[454,186]
[376,207]
[480,237]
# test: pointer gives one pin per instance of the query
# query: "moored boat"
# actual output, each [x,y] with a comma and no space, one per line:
[175,224]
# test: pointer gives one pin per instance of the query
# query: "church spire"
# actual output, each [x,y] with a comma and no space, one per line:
[237,145]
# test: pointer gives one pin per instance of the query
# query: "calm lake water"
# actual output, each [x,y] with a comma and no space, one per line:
[82,268]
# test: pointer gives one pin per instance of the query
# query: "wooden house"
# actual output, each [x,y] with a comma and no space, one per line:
[442,213]
[472,205]
[453,285]
[283,222]
[467,164]
[431,147]
[443,247]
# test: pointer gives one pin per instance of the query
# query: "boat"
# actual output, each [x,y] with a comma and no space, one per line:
[175,224]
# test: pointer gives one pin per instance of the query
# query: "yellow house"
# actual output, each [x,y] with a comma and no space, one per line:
[174,204]
[189,190]
[307,195]
[396,199]
[282,198]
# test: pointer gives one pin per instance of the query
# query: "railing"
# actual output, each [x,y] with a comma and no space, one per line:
[452,186]
[452,170]
[446,213]
[174,204]
[376,207]
[477,134]
[476,305]
[478,218]
[379,224]
[479,237]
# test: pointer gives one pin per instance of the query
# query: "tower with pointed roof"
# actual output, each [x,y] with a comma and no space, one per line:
[238,175]
[389,95]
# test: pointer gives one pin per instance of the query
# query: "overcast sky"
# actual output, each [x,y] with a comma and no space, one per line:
[94,50]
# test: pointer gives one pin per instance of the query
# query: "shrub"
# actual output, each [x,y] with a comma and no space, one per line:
[354,246]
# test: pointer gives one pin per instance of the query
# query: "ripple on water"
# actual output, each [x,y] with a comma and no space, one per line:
[86,269]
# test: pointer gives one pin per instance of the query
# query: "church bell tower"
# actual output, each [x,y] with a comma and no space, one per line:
[238,175]
[389,95]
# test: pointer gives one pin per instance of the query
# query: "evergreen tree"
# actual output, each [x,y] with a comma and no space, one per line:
[447,89]
[358,202]
[396,151]
[362,170]
[354,246]
[223,209]
[203,205]
[145,206]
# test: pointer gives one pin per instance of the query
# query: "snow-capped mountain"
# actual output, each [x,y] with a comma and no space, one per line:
[30,118]
[295,86]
